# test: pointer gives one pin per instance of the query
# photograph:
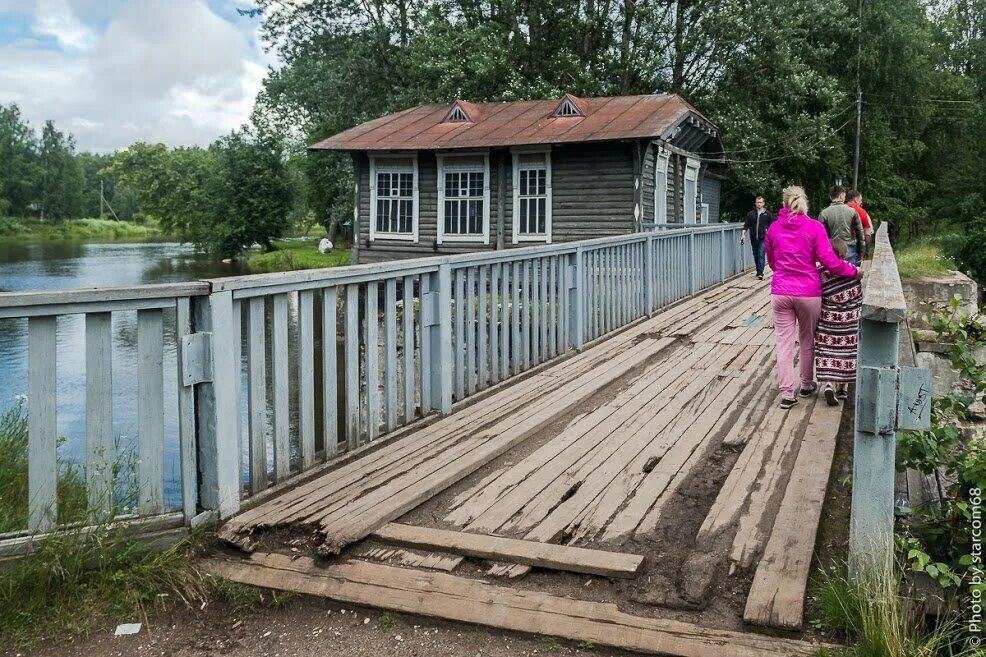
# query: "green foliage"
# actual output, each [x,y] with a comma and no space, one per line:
[873,619]
[18,162]
[936,540]
[225,198]
[77,579]
[387,620]
[62,179]
[923,258]
[72,499]
[32,230]
[292,255]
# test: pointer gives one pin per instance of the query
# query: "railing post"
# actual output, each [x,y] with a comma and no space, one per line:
[576,299]
[692,273]
[219,409]
[722,255]
[441,341]
[888,398]
[874,449]
[648,272]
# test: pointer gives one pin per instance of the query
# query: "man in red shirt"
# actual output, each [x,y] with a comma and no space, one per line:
[855,200]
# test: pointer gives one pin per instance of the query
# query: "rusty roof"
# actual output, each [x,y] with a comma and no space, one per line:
[519,123]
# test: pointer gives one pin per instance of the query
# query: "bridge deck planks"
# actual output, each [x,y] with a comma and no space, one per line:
[473,601]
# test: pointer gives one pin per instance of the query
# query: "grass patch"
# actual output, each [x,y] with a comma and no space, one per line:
[874,621]
[296,254]
[923,259]
[72,498]
[76,580]
[76,230]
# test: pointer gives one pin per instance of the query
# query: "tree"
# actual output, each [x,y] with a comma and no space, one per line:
[225,198]
[60,193]
[18,162]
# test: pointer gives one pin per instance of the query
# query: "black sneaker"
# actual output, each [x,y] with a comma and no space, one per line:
[842,394]
[760,277]
[830,396]
[788,403]
[808,392]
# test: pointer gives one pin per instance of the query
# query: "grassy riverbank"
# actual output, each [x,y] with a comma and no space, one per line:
[296,254]
[77,230]
[923,258]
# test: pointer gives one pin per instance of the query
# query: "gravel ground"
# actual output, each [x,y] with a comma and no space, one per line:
[306,627]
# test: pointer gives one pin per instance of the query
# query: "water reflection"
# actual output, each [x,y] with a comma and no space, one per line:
[50,266]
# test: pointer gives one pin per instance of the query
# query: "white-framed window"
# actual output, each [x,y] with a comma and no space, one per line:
[661,186]
[464,198]
[532,196]
[705,214]
[394,198]
[691,190]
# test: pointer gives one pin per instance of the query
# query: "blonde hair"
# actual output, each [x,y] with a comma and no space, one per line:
[795,199]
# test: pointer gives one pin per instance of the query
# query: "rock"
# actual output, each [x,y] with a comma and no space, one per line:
[924,295]
[977,410]
[324,245]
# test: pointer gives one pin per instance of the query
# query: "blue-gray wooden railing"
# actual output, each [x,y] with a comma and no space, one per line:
[888,398]
[393,341]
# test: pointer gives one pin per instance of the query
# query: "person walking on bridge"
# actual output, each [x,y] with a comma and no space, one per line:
[794,244]
[842,223]
[757,222]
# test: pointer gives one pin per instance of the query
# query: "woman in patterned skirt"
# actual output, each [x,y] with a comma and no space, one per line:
[837,332]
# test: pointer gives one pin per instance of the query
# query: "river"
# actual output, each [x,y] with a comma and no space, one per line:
[61,265]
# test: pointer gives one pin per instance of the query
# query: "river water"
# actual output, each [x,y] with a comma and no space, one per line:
[60,265]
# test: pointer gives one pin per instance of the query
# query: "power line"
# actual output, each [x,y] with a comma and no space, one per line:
[775,144]
[927,100]
[789,155]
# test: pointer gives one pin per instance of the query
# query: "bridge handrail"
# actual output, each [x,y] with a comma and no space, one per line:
[445,328]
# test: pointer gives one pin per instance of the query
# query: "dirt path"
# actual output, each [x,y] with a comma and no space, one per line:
[306,627]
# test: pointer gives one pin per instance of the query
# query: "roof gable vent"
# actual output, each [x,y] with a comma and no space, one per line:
[570,106]
[458,113]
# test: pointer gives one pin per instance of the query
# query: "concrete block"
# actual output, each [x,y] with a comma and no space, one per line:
[924,295]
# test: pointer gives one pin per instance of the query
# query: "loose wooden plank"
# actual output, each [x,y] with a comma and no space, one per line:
[150,410]
[42,431]
[498,548]
[456,598]
[99,414]
[777,596]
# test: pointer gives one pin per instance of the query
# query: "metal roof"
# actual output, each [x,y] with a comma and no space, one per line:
[519,123]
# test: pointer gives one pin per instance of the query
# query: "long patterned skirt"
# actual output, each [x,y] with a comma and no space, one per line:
[837,333]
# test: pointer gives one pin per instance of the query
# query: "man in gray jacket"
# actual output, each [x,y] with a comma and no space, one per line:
[842,222]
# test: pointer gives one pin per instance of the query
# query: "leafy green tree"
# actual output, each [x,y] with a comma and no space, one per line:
[18,162]
[251,193]
[60,192]
[234,194]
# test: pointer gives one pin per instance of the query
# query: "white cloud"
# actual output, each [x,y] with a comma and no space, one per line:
[55,18]
[170,71]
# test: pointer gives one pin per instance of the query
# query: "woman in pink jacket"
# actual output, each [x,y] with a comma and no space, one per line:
[795,243]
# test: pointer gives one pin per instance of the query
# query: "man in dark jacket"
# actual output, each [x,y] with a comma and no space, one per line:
[757,222]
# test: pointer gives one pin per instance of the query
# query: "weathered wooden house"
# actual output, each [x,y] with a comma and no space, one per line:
[476,176]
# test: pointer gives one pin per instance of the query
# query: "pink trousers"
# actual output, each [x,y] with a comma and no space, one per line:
[795,319]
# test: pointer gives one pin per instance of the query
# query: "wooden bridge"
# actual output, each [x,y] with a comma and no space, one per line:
[579,440]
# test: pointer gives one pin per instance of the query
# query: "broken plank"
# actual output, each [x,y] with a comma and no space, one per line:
[457,598]
[777,597]
[498,548]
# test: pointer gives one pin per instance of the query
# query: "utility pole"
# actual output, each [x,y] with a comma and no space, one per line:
[859,95]
[101,197]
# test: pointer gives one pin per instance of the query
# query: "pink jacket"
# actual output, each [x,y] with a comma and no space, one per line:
[794,244]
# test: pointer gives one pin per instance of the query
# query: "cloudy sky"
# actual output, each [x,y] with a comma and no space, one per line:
[113,72]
